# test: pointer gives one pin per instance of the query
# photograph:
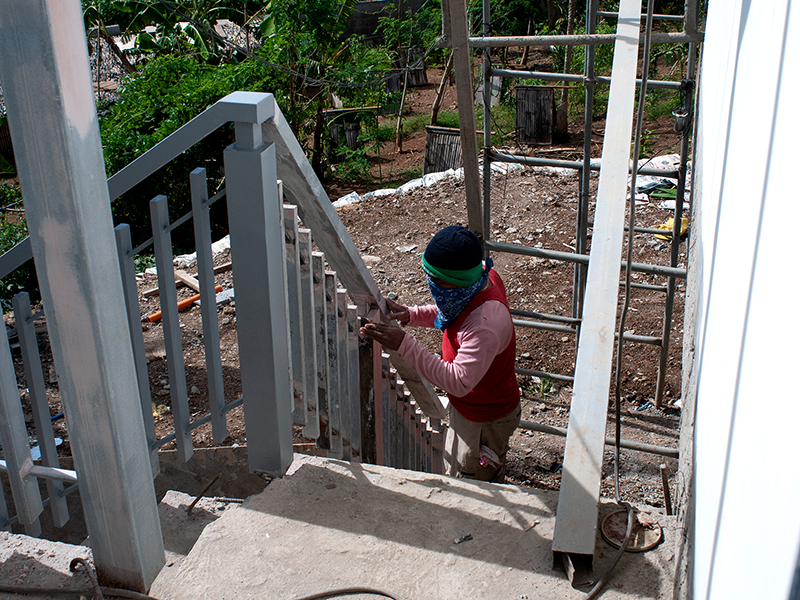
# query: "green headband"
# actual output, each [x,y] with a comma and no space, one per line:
[456,277]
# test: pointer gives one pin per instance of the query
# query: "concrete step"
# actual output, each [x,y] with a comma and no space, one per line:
[330,524]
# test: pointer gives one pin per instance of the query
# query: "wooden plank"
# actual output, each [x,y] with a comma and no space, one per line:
[391,407]
[437,446]
[576,516]
[399,433]
[187,280]
[535,114]
[462,66]
[407,430]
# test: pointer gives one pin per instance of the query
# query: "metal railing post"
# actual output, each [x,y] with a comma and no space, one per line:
[258,255]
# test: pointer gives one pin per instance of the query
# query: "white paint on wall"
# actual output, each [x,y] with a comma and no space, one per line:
[748,408]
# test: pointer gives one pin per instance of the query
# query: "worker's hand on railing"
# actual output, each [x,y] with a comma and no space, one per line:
[398,311]
[388,336]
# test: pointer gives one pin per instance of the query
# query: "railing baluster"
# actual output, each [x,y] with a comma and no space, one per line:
[334,391]
[428,433]
[391,417]
[353,383]
[345,399]
[14,437]
[406,429]
[295,310]
[162,241]
[368,379]
[122,233]
[208,304]
[321,341]
[437,446]
[385,438]
[412,435]
[31,360]
[308,344]
[417,437]
[399,434]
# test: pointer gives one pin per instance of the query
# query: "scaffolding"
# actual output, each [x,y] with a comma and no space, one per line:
[479,209]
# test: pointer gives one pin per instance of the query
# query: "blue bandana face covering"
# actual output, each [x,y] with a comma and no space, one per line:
[451,301]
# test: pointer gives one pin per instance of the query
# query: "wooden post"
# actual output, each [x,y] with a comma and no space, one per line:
[457,10]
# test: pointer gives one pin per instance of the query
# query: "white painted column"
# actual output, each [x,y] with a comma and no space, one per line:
[44,68]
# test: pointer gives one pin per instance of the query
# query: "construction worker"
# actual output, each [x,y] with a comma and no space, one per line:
[476,367]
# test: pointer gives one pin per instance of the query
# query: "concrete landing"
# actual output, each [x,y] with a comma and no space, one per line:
[330,524]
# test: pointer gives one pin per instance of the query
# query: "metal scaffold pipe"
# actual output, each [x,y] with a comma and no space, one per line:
[577,40]
[610,441]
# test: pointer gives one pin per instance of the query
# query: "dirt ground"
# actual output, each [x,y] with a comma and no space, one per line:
[531,207]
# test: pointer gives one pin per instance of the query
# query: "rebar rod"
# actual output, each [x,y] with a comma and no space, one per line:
[572,78]
[677,221]
[487,127]
[577,165]
[544,375]
[582,258]
[577,40]
[628,444]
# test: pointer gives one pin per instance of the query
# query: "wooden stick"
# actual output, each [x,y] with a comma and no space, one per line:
[437,103]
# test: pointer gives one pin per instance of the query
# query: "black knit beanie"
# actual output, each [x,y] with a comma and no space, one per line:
[454,248]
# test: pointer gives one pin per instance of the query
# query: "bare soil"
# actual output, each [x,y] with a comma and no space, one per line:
[529,207]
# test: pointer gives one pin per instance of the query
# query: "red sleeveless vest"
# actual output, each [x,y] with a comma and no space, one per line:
[497,394]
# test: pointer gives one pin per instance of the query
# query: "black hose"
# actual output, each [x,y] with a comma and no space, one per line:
[349,592]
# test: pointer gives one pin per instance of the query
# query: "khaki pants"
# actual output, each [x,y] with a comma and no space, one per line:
[464,439]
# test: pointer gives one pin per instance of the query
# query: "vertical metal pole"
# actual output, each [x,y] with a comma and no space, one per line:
[168,296]
[44,64]
[14,437]
[308,343]
[345,399]
[321,343]
[384,403]
[29,347]
[257,251]
[677,218]
[366,392]
[332,341]
[392,420]
[487,126]
[125,257]
[581,233]
[208,304]
[352,376]
[295,311]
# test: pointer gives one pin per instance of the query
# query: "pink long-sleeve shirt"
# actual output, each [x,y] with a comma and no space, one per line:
[485,333]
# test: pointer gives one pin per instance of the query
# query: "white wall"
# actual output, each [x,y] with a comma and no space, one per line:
[747,436]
